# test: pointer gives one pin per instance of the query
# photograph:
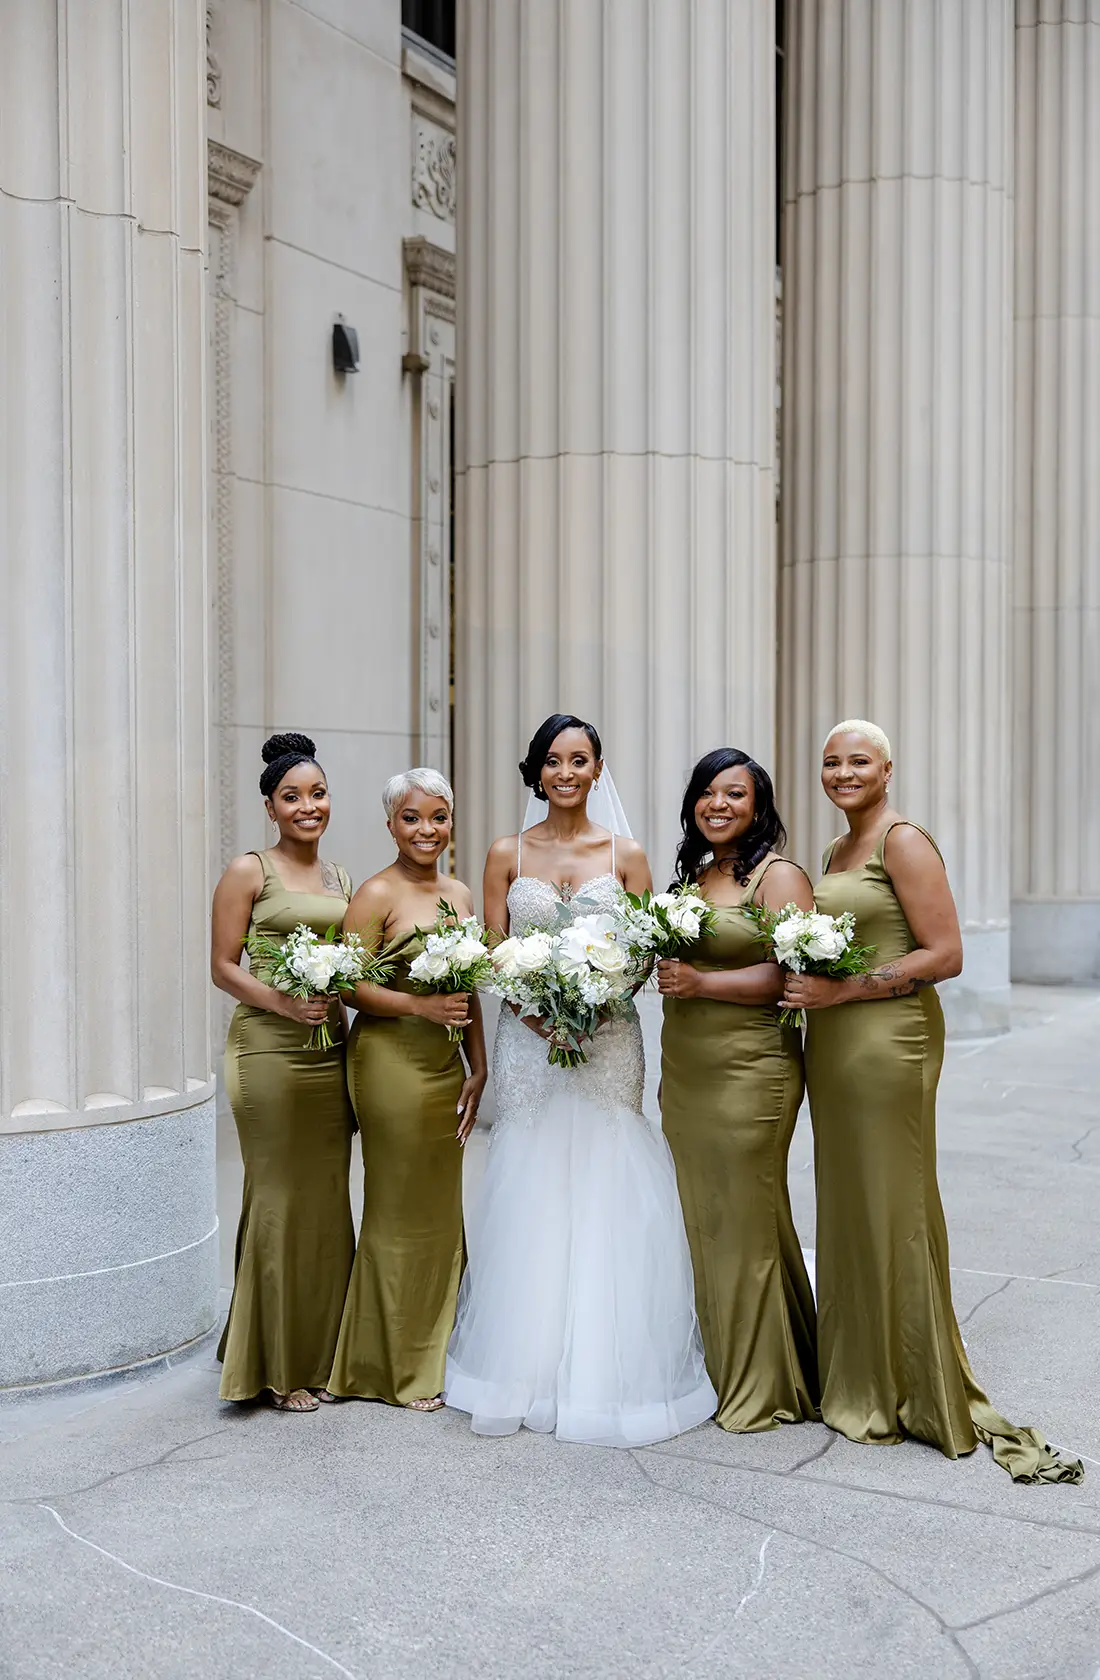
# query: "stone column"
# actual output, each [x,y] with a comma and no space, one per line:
[106,1095]
[1056,605]
[896,400]
[615,391]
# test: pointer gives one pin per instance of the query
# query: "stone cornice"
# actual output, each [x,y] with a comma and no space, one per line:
[430,266]
[229,174]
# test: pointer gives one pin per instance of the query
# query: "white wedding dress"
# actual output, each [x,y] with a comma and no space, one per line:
[576,1314]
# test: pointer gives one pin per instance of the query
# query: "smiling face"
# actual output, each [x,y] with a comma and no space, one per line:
[300,805]
[421,826]
[726,807]
[571,770]
[854,773]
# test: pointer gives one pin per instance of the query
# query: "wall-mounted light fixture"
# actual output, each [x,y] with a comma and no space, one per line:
[345,347]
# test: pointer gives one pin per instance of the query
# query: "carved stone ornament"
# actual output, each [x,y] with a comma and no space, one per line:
[229,175]
[430,266]
[434,172]
[213,68]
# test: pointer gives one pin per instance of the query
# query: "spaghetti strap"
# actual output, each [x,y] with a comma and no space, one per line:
[519,854]
[613,852]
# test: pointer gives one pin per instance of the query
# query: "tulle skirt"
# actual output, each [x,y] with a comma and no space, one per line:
[576,1313]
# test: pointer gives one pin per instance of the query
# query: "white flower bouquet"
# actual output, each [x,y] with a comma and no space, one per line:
[571,980]
[454,958]
[809,942]
[304,965]
[664,924]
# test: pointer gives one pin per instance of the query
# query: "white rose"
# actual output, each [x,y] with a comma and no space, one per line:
[533,953]
[429,965]
[663,901]
[685,919]
[318,969]
[594,940]
[467,952]
[825,944]
[787,935]
[504,958]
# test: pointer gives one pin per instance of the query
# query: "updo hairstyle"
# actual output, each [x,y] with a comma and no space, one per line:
[764,834]
[423,780]
[281,753]
[543,739]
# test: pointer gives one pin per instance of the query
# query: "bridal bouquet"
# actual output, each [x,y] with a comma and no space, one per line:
[454,958]
[664,924]
[572,980]
[302,965]
[809,942]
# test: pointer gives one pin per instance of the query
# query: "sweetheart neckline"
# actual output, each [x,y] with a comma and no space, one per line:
[574,892]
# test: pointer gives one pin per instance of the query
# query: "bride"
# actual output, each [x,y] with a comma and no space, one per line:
[576,1313]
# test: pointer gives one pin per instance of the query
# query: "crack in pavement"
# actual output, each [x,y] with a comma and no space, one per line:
[194,1592]
[1060,1277]
[837,1551]
[879,1493]
[1076,1147]
[1000,1289]
[1026,1603]
[163,1458]
[707,1650]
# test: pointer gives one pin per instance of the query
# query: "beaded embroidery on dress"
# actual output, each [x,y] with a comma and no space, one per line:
[576,1314]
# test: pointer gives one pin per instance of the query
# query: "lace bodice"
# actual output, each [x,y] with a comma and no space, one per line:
[533,903]
[613,1077]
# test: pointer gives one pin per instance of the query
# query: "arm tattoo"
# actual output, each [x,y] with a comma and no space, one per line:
[901,986]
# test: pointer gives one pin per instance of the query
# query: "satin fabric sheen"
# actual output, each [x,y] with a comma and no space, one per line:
[296,1239]
[890,1355]
[731,1088]
[405,1078]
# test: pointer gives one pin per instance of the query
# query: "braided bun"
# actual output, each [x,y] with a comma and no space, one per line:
[278,746]
[281,753]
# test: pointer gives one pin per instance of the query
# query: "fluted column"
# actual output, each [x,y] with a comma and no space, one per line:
[1056,599]
[616,392]
[106,1117]
[896,414]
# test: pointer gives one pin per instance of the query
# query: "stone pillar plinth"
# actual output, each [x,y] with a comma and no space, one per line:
[106,1095]
[897,272]
[1056,597]
[615,386]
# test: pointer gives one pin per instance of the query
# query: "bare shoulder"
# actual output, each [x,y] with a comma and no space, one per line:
[909,847]
[628,850]
[502,852]
[783,876]
[244,871]
[375,894]
[457,893]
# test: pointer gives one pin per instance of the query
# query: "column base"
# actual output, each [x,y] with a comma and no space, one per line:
[978,1003]
[1056,941]
[111,1249]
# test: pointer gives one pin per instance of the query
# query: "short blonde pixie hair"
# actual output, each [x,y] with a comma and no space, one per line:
[860,726]
[422,780]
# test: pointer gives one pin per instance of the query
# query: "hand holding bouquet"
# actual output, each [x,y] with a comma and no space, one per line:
[809,942]
[304,966]
[572,981]
[455,958]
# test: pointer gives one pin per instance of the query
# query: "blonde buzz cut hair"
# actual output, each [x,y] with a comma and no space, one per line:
[860,726]
[419,780]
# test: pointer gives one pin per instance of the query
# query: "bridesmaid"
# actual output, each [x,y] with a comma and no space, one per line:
[416,1106]
[731,1085]
[296,1239]
[892,1362]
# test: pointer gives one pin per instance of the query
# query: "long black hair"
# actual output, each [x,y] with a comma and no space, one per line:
[280,754]
[543,739]
[764,834]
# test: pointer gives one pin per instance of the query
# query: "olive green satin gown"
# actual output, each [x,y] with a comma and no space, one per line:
[296,1239]
[731,1085]
[406,1079]
[890,1355]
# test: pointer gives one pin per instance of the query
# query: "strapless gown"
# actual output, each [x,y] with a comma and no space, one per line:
[576,1313]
